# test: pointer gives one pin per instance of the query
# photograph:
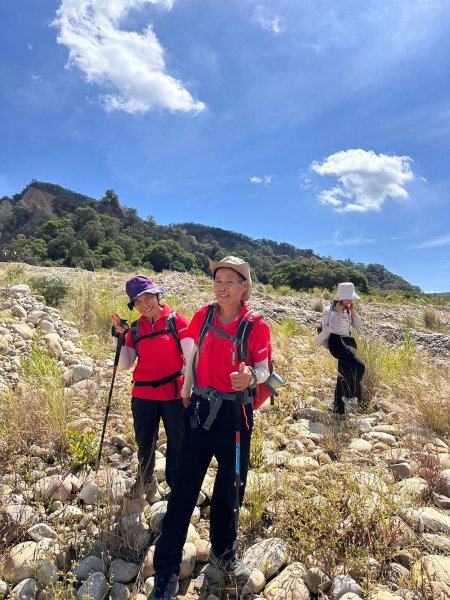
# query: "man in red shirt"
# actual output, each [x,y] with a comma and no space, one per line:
[217,393]
[157,377]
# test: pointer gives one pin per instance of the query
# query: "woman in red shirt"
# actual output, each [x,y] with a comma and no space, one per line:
[158,339]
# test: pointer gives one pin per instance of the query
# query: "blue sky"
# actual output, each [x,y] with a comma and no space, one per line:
[323,123]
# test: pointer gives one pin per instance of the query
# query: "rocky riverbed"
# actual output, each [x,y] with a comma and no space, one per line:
[57,521]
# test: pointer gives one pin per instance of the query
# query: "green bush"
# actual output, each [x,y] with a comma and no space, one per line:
[15,273]
[54,289]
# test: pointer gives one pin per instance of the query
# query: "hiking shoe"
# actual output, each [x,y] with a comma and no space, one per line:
[166,587]
[233,570]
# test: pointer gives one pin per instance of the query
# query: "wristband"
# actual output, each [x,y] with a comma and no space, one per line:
[254,379]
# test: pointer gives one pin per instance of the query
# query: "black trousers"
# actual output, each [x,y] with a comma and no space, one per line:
[197,448]
[146,417]
[350,370]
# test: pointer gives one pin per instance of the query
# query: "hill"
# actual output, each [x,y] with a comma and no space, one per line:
[46,224]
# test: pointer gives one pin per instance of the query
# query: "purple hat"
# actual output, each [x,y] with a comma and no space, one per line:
[136,286]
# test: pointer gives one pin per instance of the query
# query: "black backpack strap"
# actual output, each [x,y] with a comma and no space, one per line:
[134,330]
[244,329]
[172,328]
[207,324]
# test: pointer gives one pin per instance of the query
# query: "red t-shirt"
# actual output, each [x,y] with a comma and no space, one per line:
[158,357]
[218,357]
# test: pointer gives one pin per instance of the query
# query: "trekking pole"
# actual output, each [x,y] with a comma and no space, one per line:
[237,472]
[120,343]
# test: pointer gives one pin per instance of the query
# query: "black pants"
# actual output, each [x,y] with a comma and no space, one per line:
[350,370]
[146,417]
[197,448]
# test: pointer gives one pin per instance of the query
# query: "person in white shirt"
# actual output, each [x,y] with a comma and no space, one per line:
[338,320]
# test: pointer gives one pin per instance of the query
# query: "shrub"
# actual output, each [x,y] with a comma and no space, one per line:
[343,519]
[54,289]
[386,365]
[90,306]
[431,320]
[82,449]
[15,273]
[317,306]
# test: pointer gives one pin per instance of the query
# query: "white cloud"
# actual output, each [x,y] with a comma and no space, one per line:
[436,243]
[272,23]
[338,239]
[365,179]
[127,62]
[265,180]
[29,46]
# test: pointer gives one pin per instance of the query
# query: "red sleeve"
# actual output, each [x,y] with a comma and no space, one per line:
[259,341]
[197,323]
[182,325]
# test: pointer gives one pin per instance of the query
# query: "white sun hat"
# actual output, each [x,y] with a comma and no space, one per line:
[346,291]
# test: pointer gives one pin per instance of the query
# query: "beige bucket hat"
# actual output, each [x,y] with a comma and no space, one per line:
[238,265]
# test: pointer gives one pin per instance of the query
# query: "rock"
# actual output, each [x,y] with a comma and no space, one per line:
[255,583]
[138,532]
[18,291]
[122,571]
[102,485]
[268,556]
[87,566]
[18,311]
[119,591]
[53,487]
[441,501]
[19,515]
[380,436]
[432,574]
[435,520]
[360,445]
[188,561]
[317,581]
[68,514]
[149,569]
[382,595]
[444,484]
[27,589]
[42,531]
[203,550]
[343,584]
[302,463]
[3,589]
[23,331]
[401,470]
[412,518]
[437,541]
[95,587]
[413,488]
[288,585]
[20,562]
[47,326]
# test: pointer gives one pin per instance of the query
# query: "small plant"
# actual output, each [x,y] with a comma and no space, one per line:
[409,322]
[431,320]
[82,449]
[386,365]
[54,289]
[15,273]
[317,306]
[90,306]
